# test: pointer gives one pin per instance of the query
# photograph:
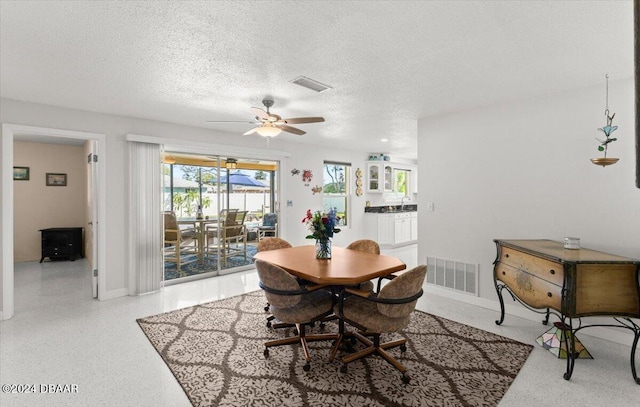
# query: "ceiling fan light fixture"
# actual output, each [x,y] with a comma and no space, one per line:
[268,131]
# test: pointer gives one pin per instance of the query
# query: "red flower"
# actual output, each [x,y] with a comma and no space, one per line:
[309,216]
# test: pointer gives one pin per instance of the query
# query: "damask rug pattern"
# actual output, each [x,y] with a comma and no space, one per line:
[215,351]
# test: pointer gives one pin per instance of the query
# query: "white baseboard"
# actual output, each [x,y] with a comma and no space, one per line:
[617,335]
[109,295]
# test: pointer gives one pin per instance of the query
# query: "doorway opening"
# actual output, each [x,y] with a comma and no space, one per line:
[92,142]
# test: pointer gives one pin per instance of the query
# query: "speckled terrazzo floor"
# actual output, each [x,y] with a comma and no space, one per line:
[59,335]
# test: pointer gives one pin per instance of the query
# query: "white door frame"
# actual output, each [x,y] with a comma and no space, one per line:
[8,133]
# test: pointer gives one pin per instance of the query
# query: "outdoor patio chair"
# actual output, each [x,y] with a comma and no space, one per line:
[233,238]
[178,243]
[269,226]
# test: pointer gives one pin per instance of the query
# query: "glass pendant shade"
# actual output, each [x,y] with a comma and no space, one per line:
[268,131]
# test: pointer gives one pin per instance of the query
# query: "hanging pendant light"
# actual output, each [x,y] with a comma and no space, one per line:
[607,130]
[231,163]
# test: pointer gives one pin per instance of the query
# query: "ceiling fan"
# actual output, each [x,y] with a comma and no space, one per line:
[270,124]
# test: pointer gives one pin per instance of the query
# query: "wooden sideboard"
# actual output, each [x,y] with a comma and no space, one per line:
[543,275]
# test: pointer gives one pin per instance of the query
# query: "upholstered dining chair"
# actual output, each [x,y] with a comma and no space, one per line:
[178,243]
[385,312]
[273,243]
[294,304]
[369,246]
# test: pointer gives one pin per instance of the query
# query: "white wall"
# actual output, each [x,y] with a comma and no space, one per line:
[522,170]
[303,156]
[312,158]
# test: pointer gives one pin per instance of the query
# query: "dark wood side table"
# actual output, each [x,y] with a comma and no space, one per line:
[571,284]
[61,243]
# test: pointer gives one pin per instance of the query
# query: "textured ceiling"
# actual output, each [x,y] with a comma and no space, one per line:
[389,62]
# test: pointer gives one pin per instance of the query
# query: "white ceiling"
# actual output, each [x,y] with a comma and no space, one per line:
[389,62]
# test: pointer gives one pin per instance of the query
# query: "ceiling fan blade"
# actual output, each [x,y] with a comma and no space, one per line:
[251,131]
[231,121]
[293,130]
[260,113]
[297,120]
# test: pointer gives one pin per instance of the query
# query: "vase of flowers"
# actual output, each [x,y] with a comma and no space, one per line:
[322,226]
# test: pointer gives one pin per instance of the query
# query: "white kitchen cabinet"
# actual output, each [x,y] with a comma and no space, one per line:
[414,226]
[375,177]
[380,177]
[402,224]
[389,229]
[388,178]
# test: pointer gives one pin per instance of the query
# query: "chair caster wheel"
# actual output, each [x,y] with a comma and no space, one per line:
[406,378]
[295,332]
[343,369]
[403,348]
[269,324]
[322,325]
[306,367]
[266,353]
[353,340]
[266,309]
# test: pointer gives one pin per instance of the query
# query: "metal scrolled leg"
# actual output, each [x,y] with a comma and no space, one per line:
[545,321]
[499,291]
[633,355]
[571,348]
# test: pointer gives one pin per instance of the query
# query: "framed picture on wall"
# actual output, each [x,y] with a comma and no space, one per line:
[21,173]
[56,180]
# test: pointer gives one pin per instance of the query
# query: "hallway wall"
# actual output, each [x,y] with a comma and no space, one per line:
[37,206]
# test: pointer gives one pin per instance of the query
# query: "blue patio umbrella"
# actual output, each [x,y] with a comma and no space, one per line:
[240,178]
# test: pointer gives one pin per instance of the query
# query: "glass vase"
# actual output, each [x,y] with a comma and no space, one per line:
[323,249]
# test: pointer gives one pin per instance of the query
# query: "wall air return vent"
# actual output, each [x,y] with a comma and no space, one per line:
[310,84]
[452,274]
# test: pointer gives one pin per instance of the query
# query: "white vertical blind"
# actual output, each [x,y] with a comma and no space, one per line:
[145,222]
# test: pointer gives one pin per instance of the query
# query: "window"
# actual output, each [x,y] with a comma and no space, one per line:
[399,185]
[401,178]
[335,189]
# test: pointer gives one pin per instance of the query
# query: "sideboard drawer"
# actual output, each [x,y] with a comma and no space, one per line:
[606,289]
[545,269]
[533,291]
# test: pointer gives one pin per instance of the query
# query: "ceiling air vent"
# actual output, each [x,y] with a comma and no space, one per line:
[310,84]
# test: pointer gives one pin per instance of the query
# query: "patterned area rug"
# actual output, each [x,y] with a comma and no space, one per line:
[209,264]
[215,351]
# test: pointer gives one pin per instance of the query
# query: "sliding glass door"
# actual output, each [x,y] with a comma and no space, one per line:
[215,210]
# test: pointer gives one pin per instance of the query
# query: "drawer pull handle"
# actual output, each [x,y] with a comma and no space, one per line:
[553,271]
[549,295]
[503,273]
[506,255]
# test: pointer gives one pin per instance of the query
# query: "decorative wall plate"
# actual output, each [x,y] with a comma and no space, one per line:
[359,191]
